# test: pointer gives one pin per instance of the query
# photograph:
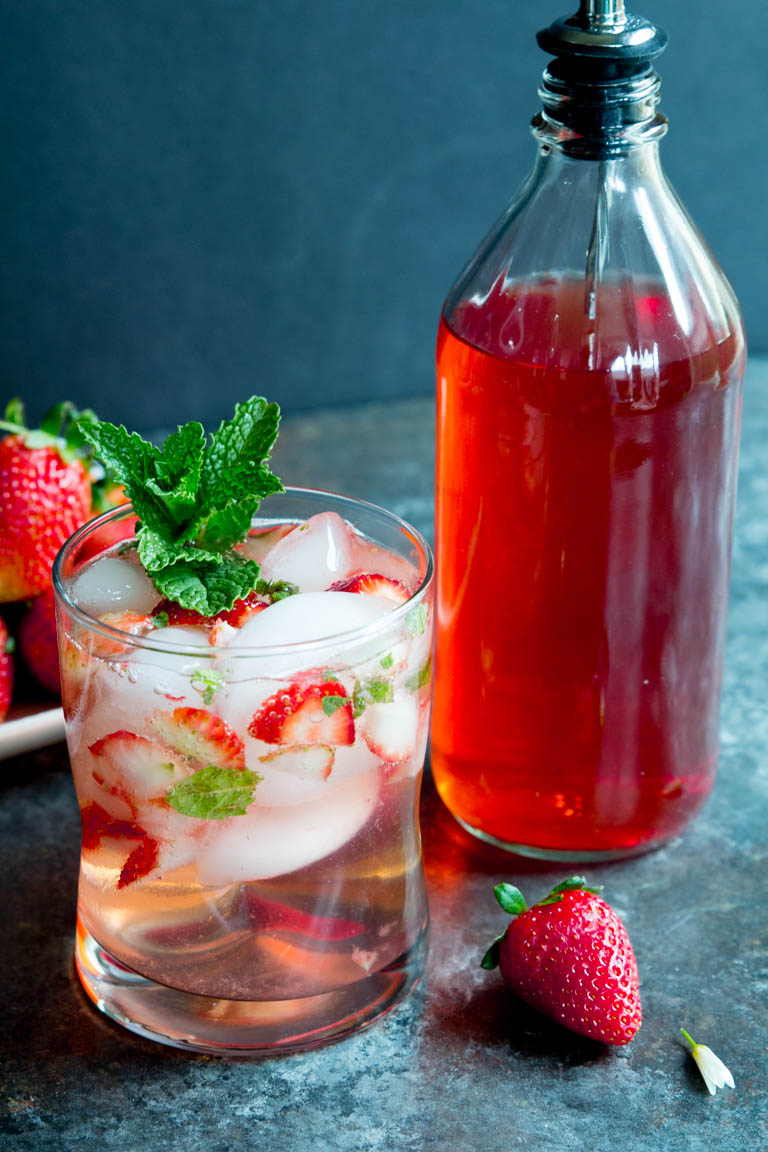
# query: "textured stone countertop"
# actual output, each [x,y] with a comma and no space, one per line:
[460,1065]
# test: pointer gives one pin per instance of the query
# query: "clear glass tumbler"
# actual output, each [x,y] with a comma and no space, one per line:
[284,905]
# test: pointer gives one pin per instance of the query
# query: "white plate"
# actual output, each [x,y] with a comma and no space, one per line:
[30,727]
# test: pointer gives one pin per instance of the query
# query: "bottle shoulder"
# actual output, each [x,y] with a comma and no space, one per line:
[590,263]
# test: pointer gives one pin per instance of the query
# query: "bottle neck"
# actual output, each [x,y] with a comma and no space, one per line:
[598,114]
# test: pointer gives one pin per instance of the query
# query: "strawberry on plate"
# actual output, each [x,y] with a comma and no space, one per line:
[45,494]
[37,641]
[373,584]
[6,670]
[306,714]
[569,957]
[200,737]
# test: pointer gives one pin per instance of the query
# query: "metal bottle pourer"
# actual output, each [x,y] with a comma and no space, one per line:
[603,31]
[601,88]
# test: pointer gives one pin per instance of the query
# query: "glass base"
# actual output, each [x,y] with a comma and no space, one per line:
[556,855]
[240,1027]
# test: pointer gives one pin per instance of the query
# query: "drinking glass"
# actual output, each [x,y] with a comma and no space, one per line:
[284,920]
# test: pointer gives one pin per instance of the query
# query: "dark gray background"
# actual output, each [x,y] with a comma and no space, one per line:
[205,199]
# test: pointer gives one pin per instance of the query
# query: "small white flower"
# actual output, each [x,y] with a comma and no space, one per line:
[715,1073]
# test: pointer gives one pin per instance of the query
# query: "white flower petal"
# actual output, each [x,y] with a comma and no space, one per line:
[715,1073]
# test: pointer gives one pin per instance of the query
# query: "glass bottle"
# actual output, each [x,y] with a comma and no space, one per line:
[589,366]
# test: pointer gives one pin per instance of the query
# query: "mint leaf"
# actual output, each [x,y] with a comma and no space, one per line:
[332,704]
[177,471]
[235,462]
[387,661]
[207,683]
[420,679]
[204,586]
[195,501]
[160,620]
[227,526]
[416,620]
[276,590]
[132,461]
[214,793]
[371,692]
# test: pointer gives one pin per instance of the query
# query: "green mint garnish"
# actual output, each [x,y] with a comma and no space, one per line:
[387,661]
[160,620]
[376,691]
[214,793]
[420,679]
[195,498]
[417,620]
[275,590]
[207,683]
[332,704]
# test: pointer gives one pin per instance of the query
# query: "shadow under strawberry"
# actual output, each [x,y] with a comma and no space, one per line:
[494,1015]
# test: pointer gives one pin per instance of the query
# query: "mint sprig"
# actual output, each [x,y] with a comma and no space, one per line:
[195,499]
[214,793]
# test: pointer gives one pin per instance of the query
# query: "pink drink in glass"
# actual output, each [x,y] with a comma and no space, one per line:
[251,873]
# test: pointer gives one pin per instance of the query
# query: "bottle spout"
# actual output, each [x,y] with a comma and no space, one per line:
[603,14]
[604,30]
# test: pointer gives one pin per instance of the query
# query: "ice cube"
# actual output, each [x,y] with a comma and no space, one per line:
[268,842]
[301,618]
[314,555]
[123,693]
[114,585]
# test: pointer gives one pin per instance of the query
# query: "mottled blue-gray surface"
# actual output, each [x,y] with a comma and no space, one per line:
[461,1065]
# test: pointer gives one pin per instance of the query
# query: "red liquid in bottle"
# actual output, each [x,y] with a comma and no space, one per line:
[585,497]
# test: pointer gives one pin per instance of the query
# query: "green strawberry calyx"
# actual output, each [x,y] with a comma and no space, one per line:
[513,903]
[59,429]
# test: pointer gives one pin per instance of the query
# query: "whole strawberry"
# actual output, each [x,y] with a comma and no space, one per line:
[6,670]
[37,641]
[45,494]
[569,956]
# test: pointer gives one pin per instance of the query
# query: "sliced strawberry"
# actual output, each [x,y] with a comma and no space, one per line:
[134,767]
[373,584]
[98,823]
[178,615]
[235,616]
[200,737]
[221,633]
[308,762]
[306,714]
[242,610]
[141,861]
[268,915]
[389,730]
[133,623]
